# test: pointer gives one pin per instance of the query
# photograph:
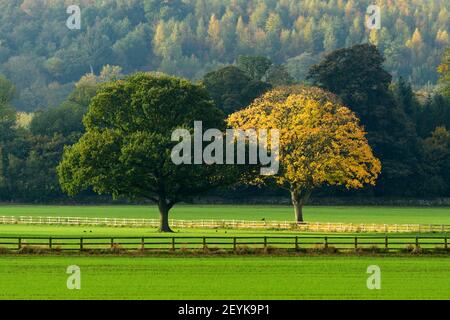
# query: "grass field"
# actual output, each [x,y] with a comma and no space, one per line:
[321,277]
[220,277]
[325,214]
[388,215]
[101,231]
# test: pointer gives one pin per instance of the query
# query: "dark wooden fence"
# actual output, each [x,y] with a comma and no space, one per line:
[165,243]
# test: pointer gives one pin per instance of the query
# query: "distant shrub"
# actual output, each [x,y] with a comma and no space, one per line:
[184,250]
[370,249]
[417,250]
[271,250]
[211,249]
[322,249]
[410,248]
[29,249]
[242,250]
[116,248]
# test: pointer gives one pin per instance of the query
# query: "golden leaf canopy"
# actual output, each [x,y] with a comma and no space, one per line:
[321,140]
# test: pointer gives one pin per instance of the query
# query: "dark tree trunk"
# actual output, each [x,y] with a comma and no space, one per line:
[298,209]
[164,216]
[298,200]
[298,206]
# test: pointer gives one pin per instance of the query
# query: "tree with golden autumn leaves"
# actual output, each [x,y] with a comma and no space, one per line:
[321,141]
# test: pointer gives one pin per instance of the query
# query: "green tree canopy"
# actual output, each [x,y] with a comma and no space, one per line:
[436,153]
[232,89]
[357,76]
[444,70]
[255,67]
[8,119]
[277,75]
[64,119]
[7,90]
[126,150]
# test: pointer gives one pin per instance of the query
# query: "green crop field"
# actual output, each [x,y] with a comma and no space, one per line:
[320,277]
[356,214]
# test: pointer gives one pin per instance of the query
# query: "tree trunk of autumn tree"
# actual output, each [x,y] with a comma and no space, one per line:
[164,216]
[298,208]
[299,198]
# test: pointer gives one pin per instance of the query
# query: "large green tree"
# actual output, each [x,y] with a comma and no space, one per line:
[7,133]
[436,163]
[126,150]
[357,76]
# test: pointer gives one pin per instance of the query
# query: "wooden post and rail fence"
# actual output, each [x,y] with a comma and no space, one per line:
[229,224]
[173,243]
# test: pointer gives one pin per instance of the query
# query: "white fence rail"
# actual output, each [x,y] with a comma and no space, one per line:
[226,224]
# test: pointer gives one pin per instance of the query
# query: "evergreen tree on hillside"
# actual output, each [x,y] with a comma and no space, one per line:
[357,76]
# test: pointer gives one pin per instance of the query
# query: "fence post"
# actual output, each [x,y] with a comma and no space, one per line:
[81,244]
[445,243]
[142,243]
[356,242]
[234,244]
[19,244]
[50,243]
[417,242]
[173,243]
[204,243]
[265,242]
[296,243]
[386,242]
[326,242]
[112,243]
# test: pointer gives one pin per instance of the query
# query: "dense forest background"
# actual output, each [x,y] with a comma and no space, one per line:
[43,58]
[399,85]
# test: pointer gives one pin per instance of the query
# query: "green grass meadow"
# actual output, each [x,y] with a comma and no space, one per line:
[319,277]
[178,276]
[433,215]
[350,214]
